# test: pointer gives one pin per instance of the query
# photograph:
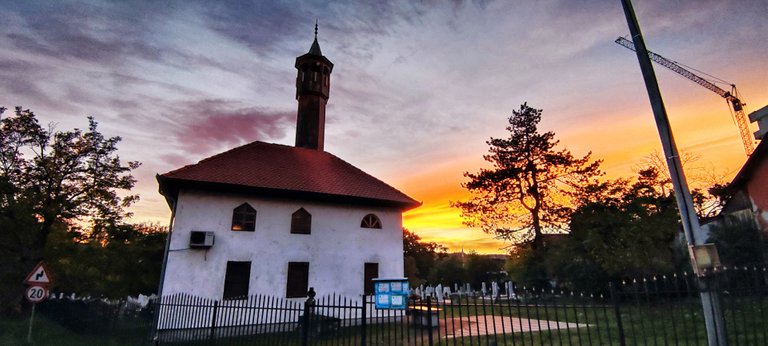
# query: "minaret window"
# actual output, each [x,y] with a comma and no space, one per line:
[370,221]
[244,218]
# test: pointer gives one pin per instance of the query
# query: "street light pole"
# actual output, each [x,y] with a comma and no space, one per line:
[709,301]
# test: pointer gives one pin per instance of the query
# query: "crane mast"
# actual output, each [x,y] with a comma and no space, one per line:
[731,96]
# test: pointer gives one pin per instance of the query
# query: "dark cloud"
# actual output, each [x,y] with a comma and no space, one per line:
[220,125]
[25,85]
[100,33]
[258,24]
[264,26]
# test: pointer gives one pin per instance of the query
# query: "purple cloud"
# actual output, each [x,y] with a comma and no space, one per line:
[219,124]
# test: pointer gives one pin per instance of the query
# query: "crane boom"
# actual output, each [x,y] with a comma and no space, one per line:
[734,102]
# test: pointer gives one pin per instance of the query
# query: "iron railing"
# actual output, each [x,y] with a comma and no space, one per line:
[660,310]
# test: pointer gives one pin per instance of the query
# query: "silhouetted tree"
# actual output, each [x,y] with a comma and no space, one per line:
[622,229]
[526,190]
[448,270]
[127,262]
[708,189]
[419,256]
[50,179]
[738,241]
[482,268]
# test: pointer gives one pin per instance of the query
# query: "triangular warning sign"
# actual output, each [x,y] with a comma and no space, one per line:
[38,276]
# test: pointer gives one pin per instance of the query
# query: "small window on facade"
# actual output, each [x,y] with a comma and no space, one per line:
[244,218]
[298,280]
[370,221]
[301,222]
[236,280]
[371,272]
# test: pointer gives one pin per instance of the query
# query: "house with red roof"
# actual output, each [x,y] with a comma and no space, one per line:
[749,189]
[274,219]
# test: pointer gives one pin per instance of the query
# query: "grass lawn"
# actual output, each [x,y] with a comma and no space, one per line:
[659,322]
[47,332]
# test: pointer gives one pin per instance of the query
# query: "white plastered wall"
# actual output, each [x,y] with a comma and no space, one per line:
[336,249]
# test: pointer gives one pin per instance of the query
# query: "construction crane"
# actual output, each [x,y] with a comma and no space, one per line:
[731,96]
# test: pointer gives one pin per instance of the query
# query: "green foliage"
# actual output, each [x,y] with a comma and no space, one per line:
[526,267]
[448,271]
[49,180]
[619,229]
[525,192]
[738,241]
[126,263]
[472,268]
[420,256]
[629,231]
[482,268]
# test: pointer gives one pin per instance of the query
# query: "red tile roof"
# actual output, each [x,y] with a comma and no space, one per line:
[749,167]
[287,171]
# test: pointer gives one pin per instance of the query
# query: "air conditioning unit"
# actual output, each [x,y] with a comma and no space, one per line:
[200,239]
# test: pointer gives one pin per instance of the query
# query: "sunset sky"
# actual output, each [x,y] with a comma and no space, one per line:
[417,87]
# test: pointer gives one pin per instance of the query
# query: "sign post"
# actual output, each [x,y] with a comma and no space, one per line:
[37,291]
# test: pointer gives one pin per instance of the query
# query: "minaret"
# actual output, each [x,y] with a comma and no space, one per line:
[313,84]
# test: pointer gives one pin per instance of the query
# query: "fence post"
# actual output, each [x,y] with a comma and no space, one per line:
[710,293]
[429,320]
[308,309]
[213,320]
[616,311]
[363,322]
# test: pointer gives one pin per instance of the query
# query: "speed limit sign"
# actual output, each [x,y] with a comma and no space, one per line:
[36,294]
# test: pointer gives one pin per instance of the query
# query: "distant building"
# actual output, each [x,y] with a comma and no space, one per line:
[749,189]
[274,219]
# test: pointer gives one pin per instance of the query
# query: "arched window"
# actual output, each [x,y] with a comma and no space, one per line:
[370,221]
[244,218]
[301,222]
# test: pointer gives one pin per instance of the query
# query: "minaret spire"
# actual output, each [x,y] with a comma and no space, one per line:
[315,49]
[312,90]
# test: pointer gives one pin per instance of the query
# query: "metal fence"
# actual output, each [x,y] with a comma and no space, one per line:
[661,310]
[94,321]
[649,311]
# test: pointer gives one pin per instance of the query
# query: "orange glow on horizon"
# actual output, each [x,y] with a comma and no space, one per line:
[712,137]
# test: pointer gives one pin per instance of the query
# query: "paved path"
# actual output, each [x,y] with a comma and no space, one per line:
[485,324]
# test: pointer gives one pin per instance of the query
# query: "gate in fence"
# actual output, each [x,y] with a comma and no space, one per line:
[657,310]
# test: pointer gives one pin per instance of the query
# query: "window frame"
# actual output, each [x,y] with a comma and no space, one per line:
[297,280]
[368,275]
[243,218]
[237,281]
[301,222]
[370,221]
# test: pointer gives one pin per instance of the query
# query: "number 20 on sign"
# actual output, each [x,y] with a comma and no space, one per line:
[36,294]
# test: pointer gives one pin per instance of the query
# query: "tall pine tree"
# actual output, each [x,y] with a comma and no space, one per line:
[525,193]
